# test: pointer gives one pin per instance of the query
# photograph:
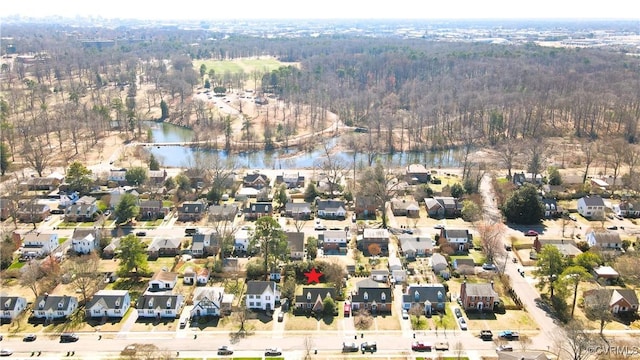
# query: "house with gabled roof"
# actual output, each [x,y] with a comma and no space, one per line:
[591,207]
[291,180]
[460,240]
[162,246]
[224,212]
[159,305]
[522,355]
[157,177]
[438,263]
[80,212]
[205,243]
[464,265]
[434,208]
[331,209]
[431,297]
[300,211]
[255,180]
[417,174]
[551,208]
[621,301]
[295,242]
[11,307]
[42,183]
[84,241]
[118,175]
[151,209]
[189,276]
[312,298]
[451,207]
[241,240]
[108,303]
[372,296]
[202,276]
[397,271]
[478,296]
[163,281]
[379,237]
[609,240]
[257,210]
[262,295]
[39,244]
[51,307]
[191,211]
[366,206]
[32,211]
[605,272]
[210,301]
[404,207]
[7,208]
[334,242]
[414,246]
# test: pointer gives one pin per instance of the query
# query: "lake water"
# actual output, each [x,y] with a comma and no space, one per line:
[183,156]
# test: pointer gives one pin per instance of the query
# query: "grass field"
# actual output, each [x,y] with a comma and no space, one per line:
[246,65]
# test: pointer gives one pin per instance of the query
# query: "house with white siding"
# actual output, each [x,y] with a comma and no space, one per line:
[51,307]
[11,307]
[160,305]
[262,295]
[108,303]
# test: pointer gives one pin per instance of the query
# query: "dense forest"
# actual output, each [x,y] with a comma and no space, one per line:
[410,94]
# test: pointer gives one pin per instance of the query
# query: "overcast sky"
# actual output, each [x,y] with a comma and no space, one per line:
[325,9]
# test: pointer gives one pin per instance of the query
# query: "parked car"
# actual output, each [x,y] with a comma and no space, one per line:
[531,233]
[612,227]
[458,312]
[370,347]
[442,346]
[405,314]
[573,218]
[504,348]
[183,323]
[509,335]
[273,352]
[6,352]
[29,337]
[486,335]
[141,233]
[225,350]
[488,266]
[463,323]
[439,226]
[420,346]
[281,317]
[69,337]
[349,347]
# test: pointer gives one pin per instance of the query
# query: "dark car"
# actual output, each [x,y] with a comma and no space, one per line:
[420,346]
[509,335]
[370,347]
[458,312]
[141,233]
[273,352]
[280,317]
[225,350]
[57,211]
[30,337]
[349,347]
[69,337]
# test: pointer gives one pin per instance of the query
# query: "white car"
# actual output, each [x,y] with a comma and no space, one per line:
[463,323]
[405,315]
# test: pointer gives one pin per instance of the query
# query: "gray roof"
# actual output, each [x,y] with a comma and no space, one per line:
[484,290]
[438,259]
[593,201]
[108,298]
[259,287]
[330,204]
[414,242]
[311,294]
[456,233]
[522,355]
[9,302]
[608,237]
[226,210]
[159,301]
[295,241]
[79,233]
[52,302]
[368,283]
[298,207]
[433,293]
[163,243]
[372,294]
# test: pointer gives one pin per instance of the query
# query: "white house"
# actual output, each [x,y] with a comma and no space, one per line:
[11,307]
[84,241]
[604,240]
[210,301]
[118,175]
[189,276]
[591,207]
[241,242]
[438,263]
[163,280]
[202,276]
[109,303]
[159,305]
[39,244]
[334,241]
[49,307]
[262,295]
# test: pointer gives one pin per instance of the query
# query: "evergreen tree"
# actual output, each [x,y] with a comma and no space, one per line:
[164,108]
[126,208]
[5,156]
[79,178]
[153,163]
[133,256]
[524,206]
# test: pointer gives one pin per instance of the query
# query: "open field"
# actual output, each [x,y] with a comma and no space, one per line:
[245,65]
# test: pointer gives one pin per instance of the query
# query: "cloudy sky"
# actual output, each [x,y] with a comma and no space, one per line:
[326,9]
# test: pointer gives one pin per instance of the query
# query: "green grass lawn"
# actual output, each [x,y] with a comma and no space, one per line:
[61,240]
[239,65]
[16,265]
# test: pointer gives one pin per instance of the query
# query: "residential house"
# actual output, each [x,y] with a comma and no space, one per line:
[202,276]
[255,180]
[431,297]
[84,241]
[116,194]
[434,208]
[37,244]
[51,307]
[262,295]
[42,183]
[366,207]
[158,306]
[11,307]
[439,263]
[191,211]
[163,281]
[478,296]
[299,211]
[551,208]
[151,209]
[295,241]
[241,240]
[606,272]
[380,275]
[205,244]
[189,276]
[604,240]
[108,303]
[566,247]
[372,296]
[450,205]
[245,193]
[464,265]
[331,209]
[257,210]
[210,301]
[621,301]
[402,207]
[397,271]
[292,181]
[417,174]
[414,246]
[334,242]
[522,355]
[161,246]
[7,207]
[157,177]
[460,240]
[110,250]
[224,212]
[378,237]
[522,178]
[591,207]
[80,212]
[32,211]
[86,200]
[312,298]
[118,176]
[198,177]
[599,184]
[627,209]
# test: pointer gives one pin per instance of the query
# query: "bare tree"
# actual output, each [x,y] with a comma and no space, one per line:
[37,155]
[627,266]
[308,346]
[458,348]
[597,307]
[335,169]
[536,152]
[491,235]
[83,270]
[31,275]
[508,153]
[362,319]
[577,341]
